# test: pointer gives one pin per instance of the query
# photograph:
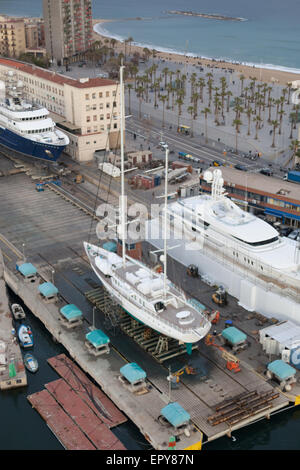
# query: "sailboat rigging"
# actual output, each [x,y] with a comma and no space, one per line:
[144,294]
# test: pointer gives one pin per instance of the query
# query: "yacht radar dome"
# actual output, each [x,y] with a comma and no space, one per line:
[208,176]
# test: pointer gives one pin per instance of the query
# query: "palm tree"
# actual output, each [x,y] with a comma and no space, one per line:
[205,111]
[190,110]
[163,99]
[179,103]
[281,113]
[249,113]
[257,120]
[129,88]
[140,94]
[293,118]
[130,40]
[242,78]
[275,125]
[165,72]
[237,123]
[294,147]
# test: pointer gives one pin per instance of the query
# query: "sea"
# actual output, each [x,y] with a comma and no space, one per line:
[269,36]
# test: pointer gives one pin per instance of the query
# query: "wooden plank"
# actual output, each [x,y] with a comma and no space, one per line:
[71,437]
[89,423]
[90,393]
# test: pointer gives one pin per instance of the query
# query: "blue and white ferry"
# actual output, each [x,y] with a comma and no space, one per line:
[25,127]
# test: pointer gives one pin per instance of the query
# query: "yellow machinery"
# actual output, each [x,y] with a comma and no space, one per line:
[175,376]
[79,179]
[220,296]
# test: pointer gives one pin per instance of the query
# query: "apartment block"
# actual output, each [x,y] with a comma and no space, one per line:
[87,109]
[68,27]
[12,36]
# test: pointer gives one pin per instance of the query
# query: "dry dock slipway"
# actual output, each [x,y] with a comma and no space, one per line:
[47,230]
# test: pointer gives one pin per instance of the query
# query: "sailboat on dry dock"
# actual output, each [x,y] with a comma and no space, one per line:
[145,294]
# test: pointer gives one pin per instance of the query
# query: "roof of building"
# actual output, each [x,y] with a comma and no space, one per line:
[262,183]
[70,312]
[175,414]
[97,338]
[133,372]
[55,77]
[286,333]
[281,369]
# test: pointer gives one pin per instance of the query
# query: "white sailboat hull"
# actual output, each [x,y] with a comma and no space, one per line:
[149,319]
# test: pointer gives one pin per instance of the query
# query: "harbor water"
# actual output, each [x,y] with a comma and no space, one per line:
[278,433]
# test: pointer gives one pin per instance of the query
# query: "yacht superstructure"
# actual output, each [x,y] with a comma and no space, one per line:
[236,249]
[26,127]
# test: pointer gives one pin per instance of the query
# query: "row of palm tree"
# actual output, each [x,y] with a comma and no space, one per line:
[254,100]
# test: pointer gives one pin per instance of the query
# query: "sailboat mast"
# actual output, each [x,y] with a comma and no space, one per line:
[122,117]
[165,220]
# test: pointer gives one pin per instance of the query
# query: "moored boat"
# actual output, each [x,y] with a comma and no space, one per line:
[17,311]
[31,362]
[25,336]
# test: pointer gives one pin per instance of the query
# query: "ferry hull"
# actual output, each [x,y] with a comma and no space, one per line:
[39,150]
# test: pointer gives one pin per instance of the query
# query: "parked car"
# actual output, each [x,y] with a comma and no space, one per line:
[266,171]
[294,235]
[163,145]
[240,167]
[217,163]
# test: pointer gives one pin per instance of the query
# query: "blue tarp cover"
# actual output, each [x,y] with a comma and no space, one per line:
[233,335]
[132,372]
[97,338]
[27,269]
[48,289]
[110,246]
[70,311]
[175,414]
[281,369]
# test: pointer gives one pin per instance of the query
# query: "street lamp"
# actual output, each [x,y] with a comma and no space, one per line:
[94,308]
[52,273]
[23,247]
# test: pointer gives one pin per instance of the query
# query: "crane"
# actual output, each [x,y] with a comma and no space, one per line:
[233,363]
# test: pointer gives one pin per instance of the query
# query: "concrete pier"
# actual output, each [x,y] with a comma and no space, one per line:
[12,371]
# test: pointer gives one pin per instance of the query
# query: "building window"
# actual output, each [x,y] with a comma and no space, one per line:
[93,96]
[88,118]
[107,94]
[87,96]
[100,95]
[101,117]
[94,118]
[107,105]
[87,108]
[115,126]
[101,106]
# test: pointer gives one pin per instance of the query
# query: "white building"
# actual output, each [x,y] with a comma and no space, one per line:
[87,109]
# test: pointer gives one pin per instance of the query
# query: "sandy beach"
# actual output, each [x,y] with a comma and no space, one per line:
[261,74]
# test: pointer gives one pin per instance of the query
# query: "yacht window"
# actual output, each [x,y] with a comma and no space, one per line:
[260,243]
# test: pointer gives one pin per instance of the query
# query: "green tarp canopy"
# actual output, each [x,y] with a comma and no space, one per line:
[48,289]
[175,414]
[97,338]
[70,312]
[133,372]
[27,269]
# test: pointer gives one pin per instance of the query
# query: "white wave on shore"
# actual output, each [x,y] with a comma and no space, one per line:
[99,28]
